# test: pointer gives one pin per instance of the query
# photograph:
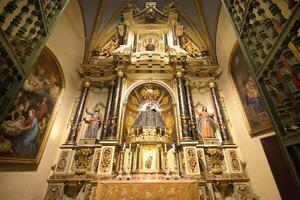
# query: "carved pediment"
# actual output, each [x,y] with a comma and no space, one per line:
[150,15]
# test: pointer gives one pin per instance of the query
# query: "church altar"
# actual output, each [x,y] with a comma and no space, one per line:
[165,190]
[161,133]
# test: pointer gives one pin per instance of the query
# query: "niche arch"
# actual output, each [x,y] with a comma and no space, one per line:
[139,95]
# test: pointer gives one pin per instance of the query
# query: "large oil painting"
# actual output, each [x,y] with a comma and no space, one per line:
[23,132]
[258,120]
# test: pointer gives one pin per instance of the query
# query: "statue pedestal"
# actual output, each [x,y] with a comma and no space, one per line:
[175,190]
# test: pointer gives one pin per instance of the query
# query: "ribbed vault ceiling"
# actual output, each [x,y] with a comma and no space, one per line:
[199,16]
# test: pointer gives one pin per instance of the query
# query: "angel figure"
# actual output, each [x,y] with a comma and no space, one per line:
[94,122]
[206,125]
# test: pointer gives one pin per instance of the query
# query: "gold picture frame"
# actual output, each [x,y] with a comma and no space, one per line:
[149,158]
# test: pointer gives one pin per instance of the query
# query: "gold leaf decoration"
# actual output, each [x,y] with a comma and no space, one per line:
[165,100]
[134,100]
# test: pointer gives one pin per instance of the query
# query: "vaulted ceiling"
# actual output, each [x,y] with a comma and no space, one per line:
[199,16]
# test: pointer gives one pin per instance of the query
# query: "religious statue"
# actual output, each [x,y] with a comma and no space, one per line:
[151,112]
[150,46]
[94,122]
[206,125]
[121,33]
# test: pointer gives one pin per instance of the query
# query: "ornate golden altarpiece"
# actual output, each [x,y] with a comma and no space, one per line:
[150,123]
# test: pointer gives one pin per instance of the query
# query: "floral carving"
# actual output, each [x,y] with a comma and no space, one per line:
[63,160]
[191,160]
[97,160]
[234,161]
[243,192]
[82,160]
[54,192]
[106,160]
[215,160]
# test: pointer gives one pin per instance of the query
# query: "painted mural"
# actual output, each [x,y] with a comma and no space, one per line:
[251,100]
[23,133]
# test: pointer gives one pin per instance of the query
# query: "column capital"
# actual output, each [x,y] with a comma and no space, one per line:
[212,83]
[87,83]
[120,73]
[179,74]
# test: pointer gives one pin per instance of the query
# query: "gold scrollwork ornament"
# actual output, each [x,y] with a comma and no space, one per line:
[215,160]
[82,161]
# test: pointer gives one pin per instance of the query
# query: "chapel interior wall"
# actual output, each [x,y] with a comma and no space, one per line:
[67,43]
[250,148]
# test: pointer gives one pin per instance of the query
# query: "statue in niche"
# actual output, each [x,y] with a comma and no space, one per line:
[94,121]
[150,114]
[121,33]
[150,46]
[206,125]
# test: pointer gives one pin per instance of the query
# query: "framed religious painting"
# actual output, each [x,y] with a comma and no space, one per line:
[149,158]
[25,129]
[254,109]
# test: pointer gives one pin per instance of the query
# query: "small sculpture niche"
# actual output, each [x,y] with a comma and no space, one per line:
[150,46]
[150,43]
[95,120]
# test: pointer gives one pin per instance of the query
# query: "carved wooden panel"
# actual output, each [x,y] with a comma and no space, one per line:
[63,161]
[191,161]
[106,160]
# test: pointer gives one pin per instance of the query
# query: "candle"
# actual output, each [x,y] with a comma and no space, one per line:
[124,146]
[165,147]
[173,147]
[129,146]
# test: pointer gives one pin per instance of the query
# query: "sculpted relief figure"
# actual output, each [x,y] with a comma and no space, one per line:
[131,7]
[107,50]
[189,46]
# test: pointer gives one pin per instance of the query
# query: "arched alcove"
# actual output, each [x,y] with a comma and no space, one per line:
[155,97]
